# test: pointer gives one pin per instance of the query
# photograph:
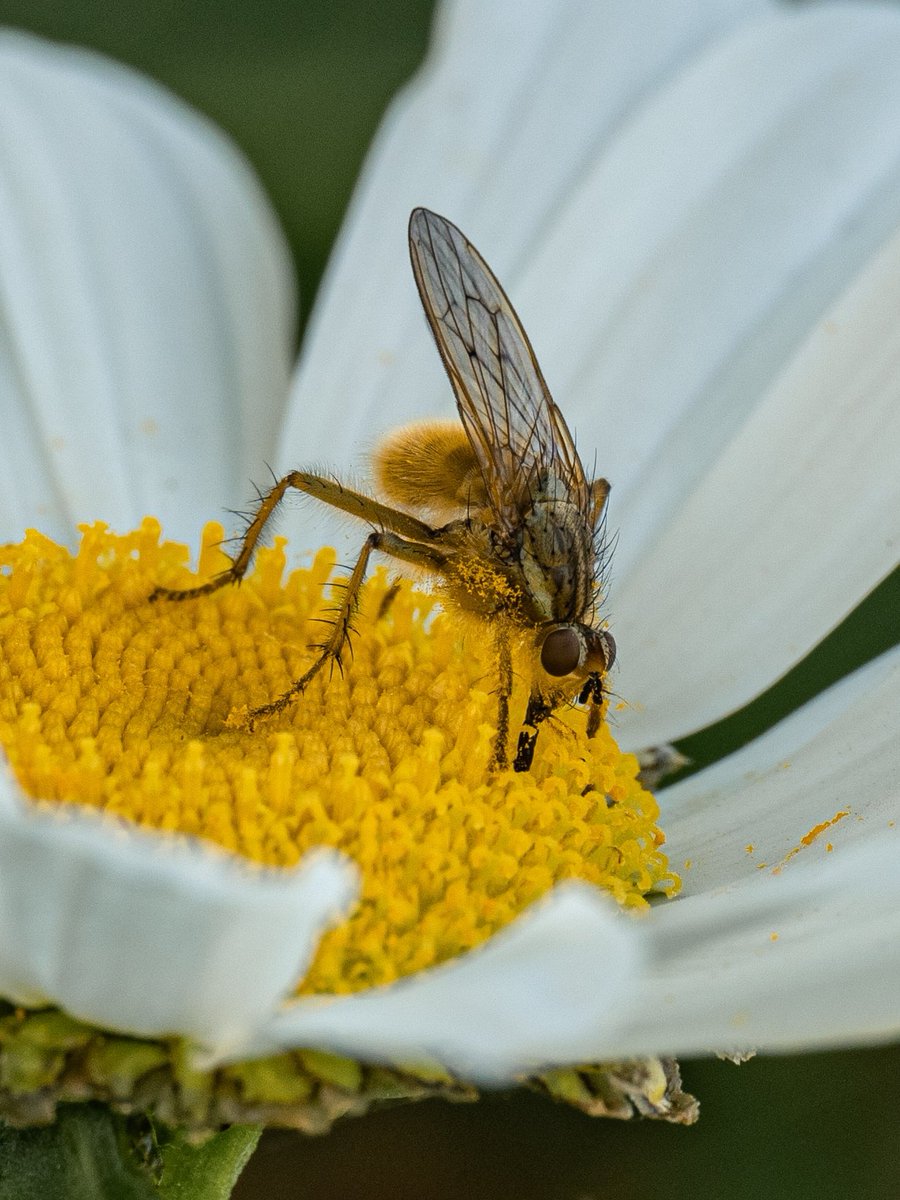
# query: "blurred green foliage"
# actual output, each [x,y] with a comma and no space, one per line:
[301,86]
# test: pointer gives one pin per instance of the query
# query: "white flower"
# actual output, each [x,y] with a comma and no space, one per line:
[696,214]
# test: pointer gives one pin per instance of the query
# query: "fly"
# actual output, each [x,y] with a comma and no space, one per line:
[498,507]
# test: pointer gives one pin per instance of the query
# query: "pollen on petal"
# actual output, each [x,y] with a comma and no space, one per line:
[110,700]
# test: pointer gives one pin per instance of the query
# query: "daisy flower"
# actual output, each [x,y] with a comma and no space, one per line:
[696,215]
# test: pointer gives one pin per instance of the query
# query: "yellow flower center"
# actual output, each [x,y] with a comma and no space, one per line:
[109,700]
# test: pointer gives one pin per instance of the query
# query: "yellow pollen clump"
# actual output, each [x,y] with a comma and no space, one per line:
[109,700]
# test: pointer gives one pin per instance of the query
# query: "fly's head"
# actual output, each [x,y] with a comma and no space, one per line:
[575,652]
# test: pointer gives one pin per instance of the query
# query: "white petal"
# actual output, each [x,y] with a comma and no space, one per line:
[709,288]
[532,995]
[735,206]
[839,753]
[791,945]
[513,105]
[796,521]
[803,960]
[146,307]
[151,934]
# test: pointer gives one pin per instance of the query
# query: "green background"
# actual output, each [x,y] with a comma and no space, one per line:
[300,85]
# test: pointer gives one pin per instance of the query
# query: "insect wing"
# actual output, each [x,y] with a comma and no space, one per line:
[518,434]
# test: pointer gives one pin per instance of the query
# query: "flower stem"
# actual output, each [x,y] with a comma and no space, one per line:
[91,1153]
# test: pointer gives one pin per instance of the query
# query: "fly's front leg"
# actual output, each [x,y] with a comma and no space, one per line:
[329,491]
[593,692]
[331,649]
[539,709]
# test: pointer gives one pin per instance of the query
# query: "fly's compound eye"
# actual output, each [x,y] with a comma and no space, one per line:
[609,648]
[601,650]
[562,651]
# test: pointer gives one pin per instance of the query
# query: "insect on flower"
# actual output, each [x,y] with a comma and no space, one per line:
[521,543]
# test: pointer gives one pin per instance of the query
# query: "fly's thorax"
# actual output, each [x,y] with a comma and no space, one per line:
[557,560]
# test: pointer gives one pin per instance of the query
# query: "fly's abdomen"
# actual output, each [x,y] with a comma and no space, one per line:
[429,466]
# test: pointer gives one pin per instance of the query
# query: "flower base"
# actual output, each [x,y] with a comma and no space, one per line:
[48,1059]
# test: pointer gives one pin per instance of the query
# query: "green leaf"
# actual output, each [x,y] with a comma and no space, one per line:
[82,1156]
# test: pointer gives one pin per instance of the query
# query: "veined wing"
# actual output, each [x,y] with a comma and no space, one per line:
[519,436]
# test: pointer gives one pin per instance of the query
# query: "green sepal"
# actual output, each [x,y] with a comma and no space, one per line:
[48,1060]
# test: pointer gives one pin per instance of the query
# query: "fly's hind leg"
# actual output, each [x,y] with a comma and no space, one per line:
[329,491]
[332,648]
[235,573]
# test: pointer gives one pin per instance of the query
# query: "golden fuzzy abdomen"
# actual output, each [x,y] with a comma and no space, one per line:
[429,466]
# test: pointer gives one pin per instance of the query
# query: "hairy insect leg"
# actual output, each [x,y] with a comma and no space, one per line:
[235,573]
[332,647]
[538,710]
[504,688]
[329,491]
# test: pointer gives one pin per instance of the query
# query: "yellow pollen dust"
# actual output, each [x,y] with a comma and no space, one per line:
[109,700]
[486,583]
